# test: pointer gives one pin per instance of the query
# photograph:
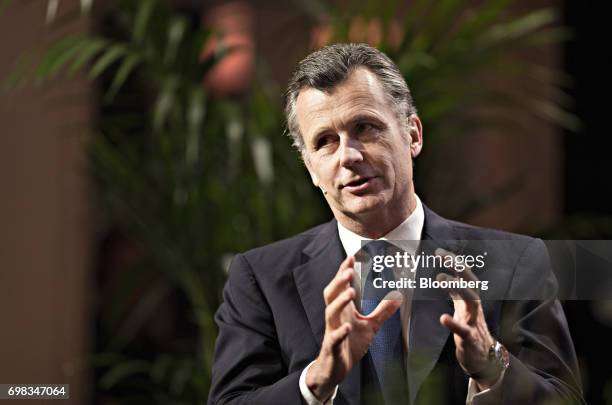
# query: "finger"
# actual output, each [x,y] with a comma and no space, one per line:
[454,326]
[442,277]
[466,273]
[385,309]
[469,275]
[338,335]
[340,281]
[333,310]
[466,294]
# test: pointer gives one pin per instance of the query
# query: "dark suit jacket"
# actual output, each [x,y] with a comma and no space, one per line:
[271,324]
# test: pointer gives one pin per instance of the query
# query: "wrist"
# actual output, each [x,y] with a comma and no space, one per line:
[319,382]
[484,383]
[498,360]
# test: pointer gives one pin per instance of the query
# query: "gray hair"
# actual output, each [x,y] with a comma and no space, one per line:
[329,66]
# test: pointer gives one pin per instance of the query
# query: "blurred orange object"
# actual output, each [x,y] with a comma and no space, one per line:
[233,23]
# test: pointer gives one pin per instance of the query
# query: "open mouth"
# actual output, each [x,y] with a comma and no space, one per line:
[359,186]
[357,183]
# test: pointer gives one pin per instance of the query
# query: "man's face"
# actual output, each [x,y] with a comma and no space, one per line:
[356,149]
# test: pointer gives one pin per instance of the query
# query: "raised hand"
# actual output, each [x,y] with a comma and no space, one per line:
[470,332]
[348,333]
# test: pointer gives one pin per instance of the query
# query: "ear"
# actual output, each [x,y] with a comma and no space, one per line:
[415,131]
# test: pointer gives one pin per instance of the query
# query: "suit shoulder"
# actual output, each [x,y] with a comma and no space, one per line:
[284,250]
[472,232]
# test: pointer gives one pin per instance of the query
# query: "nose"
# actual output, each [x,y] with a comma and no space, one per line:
[350,152]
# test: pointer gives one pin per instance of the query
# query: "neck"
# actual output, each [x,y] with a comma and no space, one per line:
[374,225]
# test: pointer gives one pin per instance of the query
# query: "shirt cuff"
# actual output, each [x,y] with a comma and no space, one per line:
[308,396]
[491,395]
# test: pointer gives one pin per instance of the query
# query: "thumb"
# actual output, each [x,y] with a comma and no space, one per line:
[385,309]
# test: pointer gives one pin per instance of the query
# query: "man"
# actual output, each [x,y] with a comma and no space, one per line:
[293,329]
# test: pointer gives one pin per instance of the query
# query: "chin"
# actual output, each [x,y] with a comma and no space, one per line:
[365,204]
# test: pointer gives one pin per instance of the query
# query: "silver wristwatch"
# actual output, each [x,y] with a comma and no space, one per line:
[499,360]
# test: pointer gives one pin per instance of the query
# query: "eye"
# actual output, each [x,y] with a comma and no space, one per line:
[323,141]
[364,126]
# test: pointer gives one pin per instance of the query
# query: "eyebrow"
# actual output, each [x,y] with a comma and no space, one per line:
[357,117]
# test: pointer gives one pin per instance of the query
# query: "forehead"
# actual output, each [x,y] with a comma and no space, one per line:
[360,93]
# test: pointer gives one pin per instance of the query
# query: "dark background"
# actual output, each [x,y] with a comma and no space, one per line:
[588,164]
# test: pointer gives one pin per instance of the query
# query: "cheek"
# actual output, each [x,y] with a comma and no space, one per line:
[403,170]
[387,164]
[396,168]
[325,171]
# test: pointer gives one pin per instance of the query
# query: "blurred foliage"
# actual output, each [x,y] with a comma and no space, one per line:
[194,178]
[191,178]
[455,57]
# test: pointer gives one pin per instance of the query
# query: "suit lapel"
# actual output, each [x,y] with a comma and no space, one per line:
[323,256]
[427,336]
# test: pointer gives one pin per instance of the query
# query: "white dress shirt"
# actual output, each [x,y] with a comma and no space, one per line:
[406,237]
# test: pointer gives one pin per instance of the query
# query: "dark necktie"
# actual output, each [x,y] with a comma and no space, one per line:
[383,366]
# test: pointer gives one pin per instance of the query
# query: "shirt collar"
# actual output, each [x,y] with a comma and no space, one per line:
[409,230]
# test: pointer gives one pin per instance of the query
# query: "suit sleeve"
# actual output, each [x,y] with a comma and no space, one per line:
[248,367]
[543,366]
